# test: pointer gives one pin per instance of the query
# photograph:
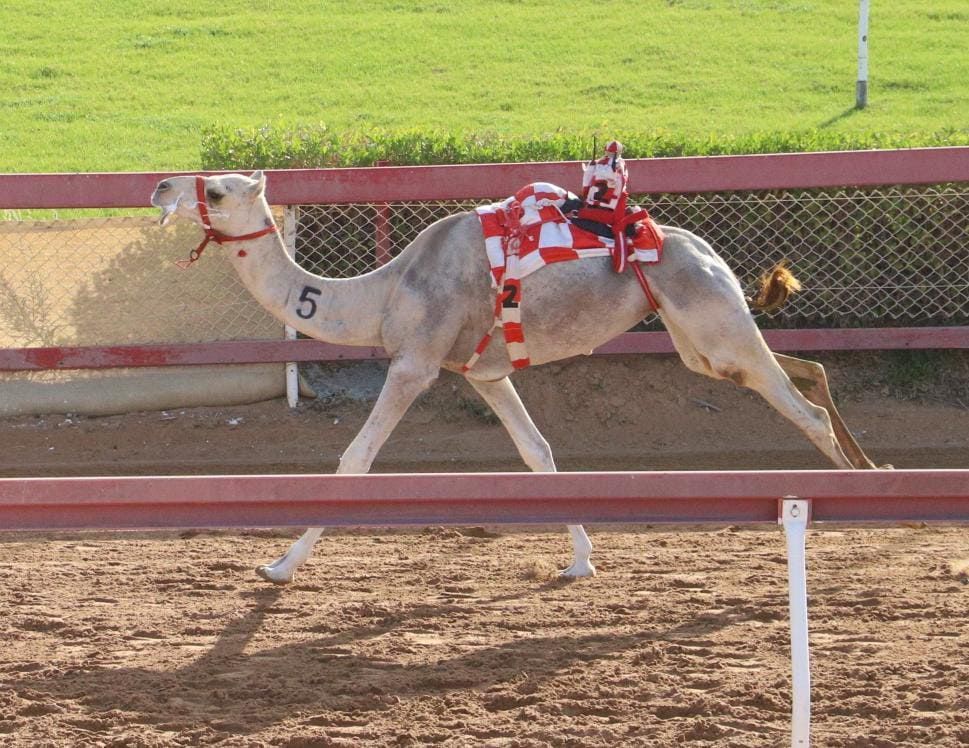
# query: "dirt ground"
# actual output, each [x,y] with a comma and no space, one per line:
[466,636]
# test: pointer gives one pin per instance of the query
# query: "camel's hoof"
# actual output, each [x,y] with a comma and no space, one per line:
[270,575]
[579,569]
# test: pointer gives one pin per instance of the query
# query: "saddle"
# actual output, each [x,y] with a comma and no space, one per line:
[543,224]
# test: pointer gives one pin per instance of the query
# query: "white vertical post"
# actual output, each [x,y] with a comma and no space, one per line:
[292,369]
[795,514]
[861,87]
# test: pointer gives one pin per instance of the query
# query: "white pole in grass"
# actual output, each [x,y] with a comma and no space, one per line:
[861,87]
[795,517]
[292,368]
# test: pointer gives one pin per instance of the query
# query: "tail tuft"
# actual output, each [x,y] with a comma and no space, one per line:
[776,286]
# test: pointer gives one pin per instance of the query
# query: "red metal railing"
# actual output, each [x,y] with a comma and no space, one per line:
[478,498]
[481,181]
[280,351]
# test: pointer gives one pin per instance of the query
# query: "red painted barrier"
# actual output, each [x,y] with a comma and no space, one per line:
[854,339]
[478,498]
[483,181]
[180,354]
[278,351]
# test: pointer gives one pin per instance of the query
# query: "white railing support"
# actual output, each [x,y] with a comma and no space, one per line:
[794,516]
[292,368]
[861,87]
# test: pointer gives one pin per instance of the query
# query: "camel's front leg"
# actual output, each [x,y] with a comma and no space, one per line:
[504,401]
[406,379]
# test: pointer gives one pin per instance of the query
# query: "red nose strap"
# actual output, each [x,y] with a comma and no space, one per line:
[211,235]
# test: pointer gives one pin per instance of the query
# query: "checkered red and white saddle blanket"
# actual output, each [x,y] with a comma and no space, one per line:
[528,231]
[546,235]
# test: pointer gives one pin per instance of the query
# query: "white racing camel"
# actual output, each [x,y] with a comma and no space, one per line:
[430,306]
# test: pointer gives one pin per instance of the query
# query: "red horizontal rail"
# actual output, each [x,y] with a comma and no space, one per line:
[180,354]
[277,351]
[482,181]
[477,498]
[854,339]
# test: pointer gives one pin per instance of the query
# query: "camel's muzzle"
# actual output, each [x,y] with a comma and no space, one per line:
[158,201]
[167,212]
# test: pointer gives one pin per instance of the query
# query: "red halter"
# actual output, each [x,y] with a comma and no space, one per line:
[211,235]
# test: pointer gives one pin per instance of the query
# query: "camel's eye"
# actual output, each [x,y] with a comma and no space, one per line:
[214,195]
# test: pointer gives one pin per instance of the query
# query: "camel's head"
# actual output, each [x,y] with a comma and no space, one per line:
[233,202]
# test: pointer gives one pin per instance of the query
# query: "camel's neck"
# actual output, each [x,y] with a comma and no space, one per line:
[345,311]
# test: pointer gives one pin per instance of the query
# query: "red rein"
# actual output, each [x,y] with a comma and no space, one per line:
[211,235]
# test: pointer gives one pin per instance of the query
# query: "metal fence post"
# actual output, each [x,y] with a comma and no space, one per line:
[382,229]
[292,368]
[861,88]
[794,516]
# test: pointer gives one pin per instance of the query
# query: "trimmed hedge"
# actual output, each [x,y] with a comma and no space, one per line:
[318,146]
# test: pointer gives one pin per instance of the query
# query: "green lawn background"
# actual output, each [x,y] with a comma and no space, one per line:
[91,85]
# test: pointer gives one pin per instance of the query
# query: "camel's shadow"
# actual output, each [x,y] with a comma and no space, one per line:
[241,689]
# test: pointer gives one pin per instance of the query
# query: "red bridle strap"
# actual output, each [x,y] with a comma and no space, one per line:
[211,235]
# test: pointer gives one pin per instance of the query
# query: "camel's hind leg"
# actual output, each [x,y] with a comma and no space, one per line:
[504,401]
[810,379]
[744,358]
[406,379]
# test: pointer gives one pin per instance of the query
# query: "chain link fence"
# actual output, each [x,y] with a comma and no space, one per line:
[113,281]
[891,256]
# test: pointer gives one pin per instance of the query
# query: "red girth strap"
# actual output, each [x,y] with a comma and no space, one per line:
[620,250]
[211,235]
[621,241]
[649,227]
[644,284]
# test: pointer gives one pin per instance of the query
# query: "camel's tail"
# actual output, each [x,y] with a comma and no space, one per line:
[776,286]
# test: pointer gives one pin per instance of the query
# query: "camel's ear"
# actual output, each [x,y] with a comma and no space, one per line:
[260,183]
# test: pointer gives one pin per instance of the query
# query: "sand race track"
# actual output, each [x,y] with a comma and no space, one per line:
[465,636]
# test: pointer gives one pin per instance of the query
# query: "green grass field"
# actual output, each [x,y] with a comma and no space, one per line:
[123,85]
